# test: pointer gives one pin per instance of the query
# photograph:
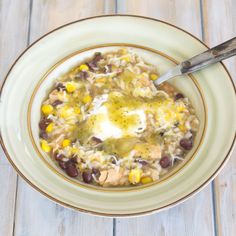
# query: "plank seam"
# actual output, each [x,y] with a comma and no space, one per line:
[116,6]
[114,227]
[29,24]
[214,208]
[15,203]
[214,218]
[202,21]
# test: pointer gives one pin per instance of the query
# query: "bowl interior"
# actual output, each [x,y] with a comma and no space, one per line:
[185,84]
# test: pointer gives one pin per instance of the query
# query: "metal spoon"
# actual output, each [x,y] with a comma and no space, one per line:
[211,56]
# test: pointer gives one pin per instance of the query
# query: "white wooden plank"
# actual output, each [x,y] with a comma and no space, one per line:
[48,15]
[13,39]
[183,13]
[189,218]
[13,36]
[7,199]
[36,215]
[195,216]
[220,25]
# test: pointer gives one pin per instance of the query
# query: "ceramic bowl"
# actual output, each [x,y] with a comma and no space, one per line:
[211,92]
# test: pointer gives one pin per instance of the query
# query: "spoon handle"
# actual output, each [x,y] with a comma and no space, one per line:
[213,55]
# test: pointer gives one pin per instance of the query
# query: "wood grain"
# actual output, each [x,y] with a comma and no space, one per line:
[14,18]
[36,215]
[220,25]
[8,182]
[48,15]
[195,216]
[183,13]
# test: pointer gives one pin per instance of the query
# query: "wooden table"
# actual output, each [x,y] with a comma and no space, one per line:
[25,212]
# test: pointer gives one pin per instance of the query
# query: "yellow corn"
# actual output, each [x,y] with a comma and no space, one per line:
[74,150]
[182,128]
[87,99]
[146,180]
[49,128]
[45,146]
[65,143]
[134,176]
[101,80]
[77,110]
[47,109]
[84,67]
[70,87]
[126,59]
[180,108]
[123,51]
[64,112]
[153,76]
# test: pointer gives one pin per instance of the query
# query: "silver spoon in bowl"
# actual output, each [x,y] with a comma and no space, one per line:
[211,56]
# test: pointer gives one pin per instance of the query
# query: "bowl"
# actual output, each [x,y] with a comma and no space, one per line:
[211,92]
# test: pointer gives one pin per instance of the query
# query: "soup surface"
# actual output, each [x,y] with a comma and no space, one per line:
[105,123]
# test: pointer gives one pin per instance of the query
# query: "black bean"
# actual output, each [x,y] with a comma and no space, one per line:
[82,75]
[97,140]
[62,164]
[59,157]
[60,87]
[87,177]
[113,161]
[107,69]
[179,96]
[141,161]
[96,171]
[93,63]
[186,144]
[176,124]
[165,162]
[97,56]
[73,141]
[162,133]
[56,103]
[43,134]
[72,161]
[72,171]
[44,123]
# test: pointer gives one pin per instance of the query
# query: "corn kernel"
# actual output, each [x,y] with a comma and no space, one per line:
[65,143]
[87,99]
[45,146]
[77,110]
[47,109]
[134,176]
[65,112]
[101,80]
[74,150]
[49,128]
[70,87]
[146,180]
[182,128]
[153,76]
[84,67]
[123,51]
[180,108]
[127,59]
